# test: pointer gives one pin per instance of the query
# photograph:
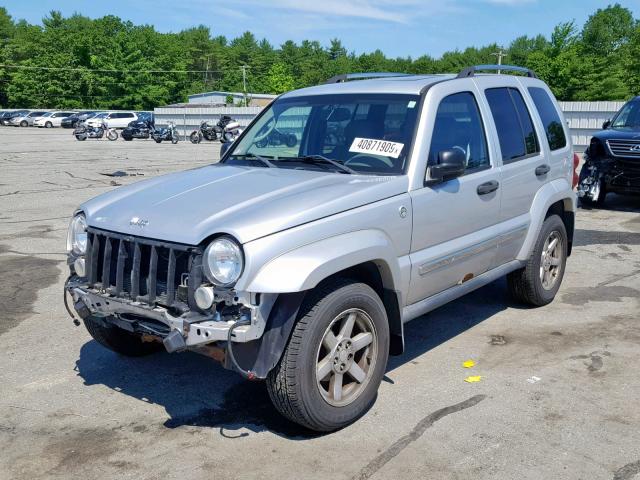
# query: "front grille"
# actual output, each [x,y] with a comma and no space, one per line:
[624,148]
[141,269]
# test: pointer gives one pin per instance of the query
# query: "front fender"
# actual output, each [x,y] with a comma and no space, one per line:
[552,192]
[304,267]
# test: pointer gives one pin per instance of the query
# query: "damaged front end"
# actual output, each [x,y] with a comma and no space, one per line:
[611,165]
[157,290]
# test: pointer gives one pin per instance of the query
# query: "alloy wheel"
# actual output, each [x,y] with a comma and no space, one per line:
[346,357]
[551,260]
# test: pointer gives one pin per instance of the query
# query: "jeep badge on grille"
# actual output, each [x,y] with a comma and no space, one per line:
[138,222]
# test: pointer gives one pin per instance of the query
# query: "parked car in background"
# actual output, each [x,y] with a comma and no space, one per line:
[6,118]
[74,120]
[612,160]
[300,264]
[27,119]
[114,119]
[146,116]
[51,119]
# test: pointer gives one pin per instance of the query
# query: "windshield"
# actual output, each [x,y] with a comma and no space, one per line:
[367,133]
[47,114]
[101,115]
[628,116]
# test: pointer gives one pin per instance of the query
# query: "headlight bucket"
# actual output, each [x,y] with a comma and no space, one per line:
[223,261]
[77,236]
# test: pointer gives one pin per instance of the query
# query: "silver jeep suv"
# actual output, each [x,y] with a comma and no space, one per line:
[343,211]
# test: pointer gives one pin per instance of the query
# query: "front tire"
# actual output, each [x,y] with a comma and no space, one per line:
[119,340]
[195,137]
[112,135]
[330,372]
[538,282]
[48,125]
[24,123]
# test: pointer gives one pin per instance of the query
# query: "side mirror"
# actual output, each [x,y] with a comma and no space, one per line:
[606,124]
[451,164]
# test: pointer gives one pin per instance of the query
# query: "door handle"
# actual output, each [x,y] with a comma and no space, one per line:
[488,187]
[542,170]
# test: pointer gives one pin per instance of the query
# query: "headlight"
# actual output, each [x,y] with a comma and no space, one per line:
[223,261]
[77,237]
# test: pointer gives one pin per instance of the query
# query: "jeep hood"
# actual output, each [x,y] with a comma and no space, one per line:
[246,202]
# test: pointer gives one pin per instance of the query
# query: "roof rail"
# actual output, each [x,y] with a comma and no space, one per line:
[345,77]
[471,71]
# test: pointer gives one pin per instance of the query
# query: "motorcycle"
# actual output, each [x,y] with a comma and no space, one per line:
[231,131]
[210,132]
[169,133]
[84,131]
[276,137]
[139,129]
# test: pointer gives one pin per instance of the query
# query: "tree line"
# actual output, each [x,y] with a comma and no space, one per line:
[108,63]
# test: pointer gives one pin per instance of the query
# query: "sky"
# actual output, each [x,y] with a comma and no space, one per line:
[399,28]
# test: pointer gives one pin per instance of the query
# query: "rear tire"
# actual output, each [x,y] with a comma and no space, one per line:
[195,137]
[158,140]
[119,340]
[527,285]
[322,342]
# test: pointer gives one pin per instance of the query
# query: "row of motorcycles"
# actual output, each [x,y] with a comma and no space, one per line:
[226,130]
[142,129]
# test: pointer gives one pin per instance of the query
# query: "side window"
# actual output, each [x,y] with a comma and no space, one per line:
[127,115]
[515,129]
[550,118]
[458,125]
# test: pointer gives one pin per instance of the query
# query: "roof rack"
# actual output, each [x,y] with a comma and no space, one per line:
[346,77]
[471,71]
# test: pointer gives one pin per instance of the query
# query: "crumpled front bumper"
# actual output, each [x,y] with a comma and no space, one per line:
[195,329]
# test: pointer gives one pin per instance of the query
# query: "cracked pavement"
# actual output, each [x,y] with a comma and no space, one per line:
[71,409]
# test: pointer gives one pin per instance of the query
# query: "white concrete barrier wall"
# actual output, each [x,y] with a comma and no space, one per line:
[584,118]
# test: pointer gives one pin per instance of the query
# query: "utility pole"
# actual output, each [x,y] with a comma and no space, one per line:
[500,54]
[244,69]
[206,73]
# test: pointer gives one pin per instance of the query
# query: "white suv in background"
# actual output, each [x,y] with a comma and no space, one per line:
[51,119]
[113,119]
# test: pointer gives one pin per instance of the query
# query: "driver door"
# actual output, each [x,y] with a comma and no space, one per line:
[453,240]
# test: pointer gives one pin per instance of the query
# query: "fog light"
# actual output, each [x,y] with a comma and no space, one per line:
[78,266]
[204,297]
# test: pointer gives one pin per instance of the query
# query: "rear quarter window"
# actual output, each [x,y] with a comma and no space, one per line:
[550,118]
[516,132]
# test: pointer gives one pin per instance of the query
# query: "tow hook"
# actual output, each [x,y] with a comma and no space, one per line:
[174,342]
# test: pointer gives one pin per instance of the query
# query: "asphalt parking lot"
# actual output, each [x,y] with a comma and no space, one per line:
[558,396]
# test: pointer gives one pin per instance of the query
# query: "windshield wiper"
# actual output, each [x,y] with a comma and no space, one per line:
[315,159]
[253,156]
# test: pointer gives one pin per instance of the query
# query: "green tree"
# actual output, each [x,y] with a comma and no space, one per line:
[279,79]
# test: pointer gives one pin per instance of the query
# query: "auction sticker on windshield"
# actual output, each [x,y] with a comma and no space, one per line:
[376,147]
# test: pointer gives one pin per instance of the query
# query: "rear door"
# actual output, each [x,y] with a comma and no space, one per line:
[525,167]
[453,239]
